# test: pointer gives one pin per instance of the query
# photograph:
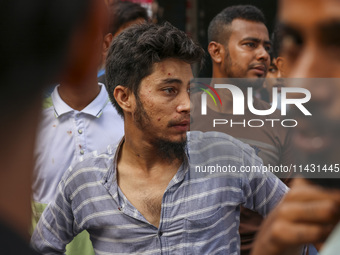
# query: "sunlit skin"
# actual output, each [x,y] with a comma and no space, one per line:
[165,99]
[273,79]
[164,95]
[311,47]
[143,174]
[272,70]
[78,84]
[244,55]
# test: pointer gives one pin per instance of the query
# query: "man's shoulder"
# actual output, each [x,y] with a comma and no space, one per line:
[47,103]
[47,113]
[214,137]
[217,143]
[93,167]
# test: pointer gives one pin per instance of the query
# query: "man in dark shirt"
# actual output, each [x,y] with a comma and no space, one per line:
[239,47]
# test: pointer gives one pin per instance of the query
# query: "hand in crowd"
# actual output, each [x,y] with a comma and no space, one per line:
[307,214]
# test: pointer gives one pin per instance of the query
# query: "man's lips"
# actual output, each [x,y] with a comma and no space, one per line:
[181,125]
[260,69]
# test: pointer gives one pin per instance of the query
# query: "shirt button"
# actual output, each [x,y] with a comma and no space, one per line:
[80,131]
[160,233]
[82,152]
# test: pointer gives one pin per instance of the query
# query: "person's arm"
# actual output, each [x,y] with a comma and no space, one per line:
[262,190]
[55,228]
[307,214]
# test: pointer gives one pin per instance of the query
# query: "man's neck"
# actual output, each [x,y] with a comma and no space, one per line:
[78,96]
[143,175]
[145,157]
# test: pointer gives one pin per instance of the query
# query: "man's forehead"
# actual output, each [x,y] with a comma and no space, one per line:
[171,69]
[171,64]
[242,28]
[306,13]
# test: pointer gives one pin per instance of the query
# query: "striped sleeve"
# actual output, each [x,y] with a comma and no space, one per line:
[55,228]
[262,190]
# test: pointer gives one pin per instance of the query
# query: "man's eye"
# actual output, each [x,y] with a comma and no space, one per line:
[291,46]
[250,44]
[272,70]
[169,90]
[268,48]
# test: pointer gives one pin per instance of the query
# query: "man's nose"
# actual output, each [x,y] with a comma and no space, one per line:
[311,63]
[262,54]
[184,103]
[308,64]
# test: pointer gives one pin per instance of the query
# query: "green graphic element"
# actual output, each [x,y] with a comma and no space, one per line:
[206,91]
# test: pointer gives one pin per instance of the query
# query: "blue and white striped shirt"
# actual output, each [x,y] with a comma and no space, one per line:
[199,214]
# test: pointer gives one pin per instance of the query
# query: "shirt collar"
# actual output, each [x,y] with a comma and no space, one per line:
[111,178]
[60,107]
[95,108]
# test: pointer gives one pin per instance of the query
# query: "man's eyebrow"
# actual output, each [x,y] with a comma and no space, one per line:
[328,32]
[257,40]
[171,80]
[289,30]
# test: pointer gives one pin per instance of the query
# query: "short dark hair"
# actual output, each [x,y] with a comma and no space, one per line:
[217,30]
[124,12]
[136,49]
[276,39]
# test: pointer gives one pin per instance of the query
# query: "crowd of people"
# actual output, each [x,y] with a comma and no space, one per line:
[107,162]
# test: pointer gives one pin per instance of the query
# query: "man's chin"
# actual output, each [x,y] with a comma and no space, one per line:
[252,81]
[171,149]
[176,138]
[183,138]
[319,166]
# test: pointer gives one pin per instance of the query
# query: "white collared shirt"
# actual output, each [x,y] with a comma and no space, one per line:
[66,135]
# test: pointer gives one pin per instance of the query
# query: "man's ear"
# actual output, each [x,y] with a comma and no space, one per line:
[281,66]
[125,98]
[106,44]
[216,51]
